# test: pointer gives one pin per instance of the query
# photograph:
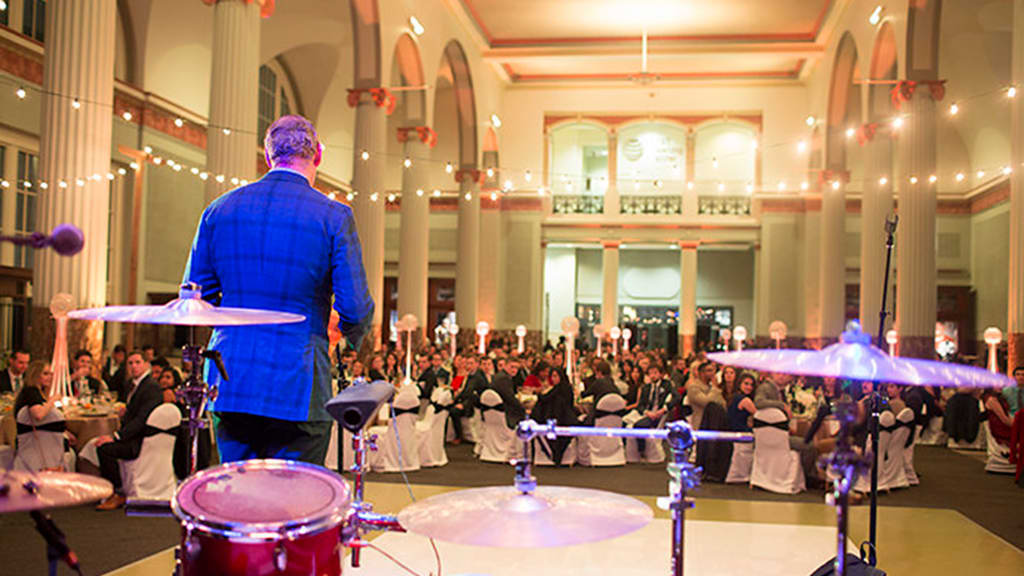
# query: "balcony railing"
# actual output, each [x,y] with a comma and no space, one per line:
[664,205]
[577,204]
[723,205]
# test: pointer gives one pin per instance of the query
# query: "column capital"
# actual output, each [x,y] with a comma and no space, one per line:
[689,244]
[471,175]
[826,176]
[425,134]
[266,6]
[904,90]
[866,133]
[381,97]
[610,244]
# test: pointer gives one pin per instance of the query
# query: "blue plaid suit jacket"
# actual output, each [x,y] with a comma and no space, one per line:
[278,244]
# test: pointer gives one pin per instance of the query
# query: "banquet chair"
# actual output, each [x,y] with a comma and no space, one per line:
[151,474]
[497,442]
[932,434]
[430,430]
[41,443]
[776,467]
[892,439]
[541,458]
[906,419]
[741,464]
[331,461]
[654,450]
[601,450]
[998,454]
[396,441]
[6,457]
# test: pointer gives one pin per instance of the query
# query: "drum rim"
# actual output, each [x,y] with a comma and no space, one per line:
[260,531]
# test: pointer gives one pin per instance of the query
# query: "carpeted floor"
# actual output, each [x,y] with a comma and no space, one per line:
[105,541]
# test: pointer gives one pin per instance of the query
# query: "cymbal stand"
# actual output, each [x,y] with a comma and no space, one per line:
[363,517]
[684,476]
[845,465]
[195,393]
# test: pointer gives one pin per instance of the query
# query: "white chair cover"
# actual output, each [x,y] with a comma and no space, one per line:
[654,451]
[776,468]
[599,450]
[41,449]
[906,417]
[431,429]
[151,475]
[891,463]
[331,461]
[741,464]
[540,458]
[998,461]
[388,458]
[6,457]
[498,442]
[932,435]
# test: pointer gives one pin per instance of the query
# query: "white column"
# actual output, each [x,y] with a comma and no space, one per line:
[687,297]
[915,238]
[414,237]
[832,273]
[611,194]
[875,207]
[368,205]
[234,95]
[610,285]
[75,143]
[1015,313]
[467,258]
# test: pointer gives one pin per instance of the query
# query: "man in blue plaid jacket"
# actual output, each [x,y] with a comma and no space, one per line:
[279,244]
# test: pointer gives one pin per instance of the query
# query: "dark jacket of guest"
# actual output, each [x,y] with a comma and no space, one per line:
[504,385]
[653,396]
[469,392]
[598,388]
[714,457]
[427,382]
[147,396]
[116,383]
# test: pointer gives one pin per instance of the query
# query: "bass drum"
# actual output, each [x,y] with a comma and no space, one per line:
[261,518]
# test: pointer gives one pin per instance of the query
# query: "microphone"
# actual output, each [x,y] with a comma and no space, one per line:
[890,224]
[66,240]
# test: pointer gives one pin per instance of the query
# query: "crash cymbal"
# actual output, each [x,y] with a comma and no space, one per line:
[854,358]
[22,491]
[506,518]
[189,309]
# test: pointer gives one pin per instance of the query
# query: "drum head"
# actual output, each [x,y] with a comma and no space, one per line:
[262,499]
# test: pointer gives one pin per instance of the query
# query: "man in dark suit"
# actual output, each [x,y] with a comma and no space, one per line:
[652,400]
[115,373]
[599,387]
[469,395]
[82,378]
[279,244]
[144,395]
[427,379]
[11,379]
[437,365]
[504,384]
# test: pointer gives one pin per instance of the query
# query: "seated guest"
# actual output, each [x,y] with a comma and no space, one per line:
[157,367]
[487,367]
[376,370]
[538,379]
[468,394]
[742,408]
[1000,423]
[12,379]
[554,402]
[503,383]
[1014,395]
[114,373]
[81,378]
[35,396]
[427,379]
[600,386]
[169,383]
[702,390]
[143,396]
[768,394]
[652,401]
[437,366]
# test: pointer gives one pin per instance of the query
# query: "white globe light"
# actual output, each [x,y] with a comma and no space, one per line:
[570,325]
[410,322]
[993,336]
[740,333]
[777,329]
[627,333]
[521,331]
[615,332]
[725,334]
[598,330]
[892,337]
[482,328]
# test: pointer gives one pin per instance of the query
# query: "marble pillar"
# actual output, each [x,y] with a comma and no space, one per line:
[832,270]
[611,195]
[875,207]
[467,258]
[1015,295]
[610,284]
[368,204]
[414,238]
[687,297]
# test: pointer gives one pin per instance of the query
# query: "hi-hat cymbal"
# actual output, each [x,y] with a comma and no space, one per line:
[189,309]
[854,358]
[506,518]
[22,491]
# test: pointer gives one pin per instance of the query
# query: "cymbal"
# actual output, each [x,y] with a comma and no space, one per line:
[506,518]
[189,309]
[21,491]
[854,358]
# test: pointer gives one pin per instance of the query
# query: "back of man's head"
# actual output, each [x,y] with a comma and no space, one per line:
[290,140]
[602,368]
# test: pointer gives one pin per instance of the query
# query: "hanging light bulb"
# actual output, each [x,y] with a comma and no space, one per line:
[490,172]
[21,93]
[448,167]
[76,104]
[954,109]
[804,185]
[419,192]
[407,162]
[883,181]
[179,122]
[127,116]
[437,192]
[226,131]
[364,155]
[960,176]
[391,198]
[527,175]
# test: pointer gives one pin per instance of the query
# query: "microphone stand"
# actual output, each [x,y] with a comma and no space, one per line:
[876,404]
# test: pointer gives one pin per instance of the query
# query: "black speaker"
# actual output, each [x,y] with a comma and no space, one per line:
[854,567]
[358,403]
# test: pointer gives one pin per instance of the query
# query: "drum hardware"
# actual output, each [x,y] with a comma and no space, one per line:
[854,359]
[363,518]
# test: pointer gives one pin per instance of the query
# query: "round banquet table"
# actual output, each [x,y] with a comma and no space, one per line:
[86,428]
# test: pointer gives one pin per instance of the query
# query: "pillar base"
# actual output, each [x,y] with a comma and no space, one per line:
[87,334]
[687,344]
[1015,351]
[917,347]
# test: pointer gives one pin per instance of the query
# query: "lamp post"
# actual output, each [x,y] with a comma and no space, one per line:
[892,338]
[482,328]
[739,335]
[570,327]
[725,335]
[60,305]
[993,336]
[614,334]
[598,332]
[410,324]
[777,330]
[626,335]
[520,334]
[453,331]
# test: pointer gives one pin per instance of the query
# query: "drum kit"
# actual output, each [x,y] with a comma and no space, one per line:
[277,517]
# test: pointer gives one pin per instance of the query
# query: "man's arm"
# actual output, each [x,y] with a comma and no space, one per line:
[352,298]
[767,396]
[199,268]
[148,397]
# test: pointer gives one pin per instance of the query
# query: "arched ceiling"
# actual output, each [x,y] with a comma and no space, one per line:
[600,40]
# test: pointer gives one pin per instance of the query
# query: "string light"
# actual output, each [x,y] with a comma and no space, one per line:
[179,122]
[1011,92]
[913,179]
[468,196]
[234,181]
[494,196]
[5,184]
[876,16]
[437,192]
[350,196]
[122,171]
[76,104]
[407,162]
[810,121]
[528,176]
[127,116]
[204,176]
[226,131]
[364,155]
[954,109]
[782,185]
[689,185]
[419,192]
[44,185]
[750,188]
[1007,170]
[540,191]
[134,166]
[932,179]
[801,146]
[714,162]
[332,196]
[158,160]
[721,187]
[850,132]
[79,182]
[981,173]
[804,185]
[194,171]
[657,183]
[897,122]
[447,167]
[374,196]
[960,176]
[110,175]
[490,172]
[835,184]
[391,198]
[883,181]
[20,93]
[219,178]
[62,184]
[508,185]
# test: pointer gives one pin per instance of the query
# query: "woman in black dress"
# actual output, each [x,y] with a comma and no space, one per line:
[555,402]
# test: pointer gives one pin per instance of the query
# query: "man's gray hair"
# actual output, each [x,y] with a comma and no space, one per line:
[290,138]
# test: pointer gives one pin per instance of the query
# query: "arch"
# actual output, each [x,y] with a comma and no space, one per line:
[407,71]
[725,150]
[884,66]
[366,30]
[455,68]
[843,103]
[923,20]
[126,47]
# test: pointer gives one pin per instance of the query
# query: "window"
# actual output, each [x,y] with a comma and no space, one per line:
[726,158]
[33,19]
[25,212]
[4,18]
[579,160]
[276,97]
[652,159]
